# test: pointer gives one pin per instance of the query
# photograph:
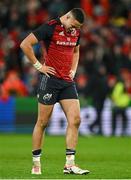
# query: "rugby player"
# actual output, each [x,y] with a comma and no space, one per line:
[61,38]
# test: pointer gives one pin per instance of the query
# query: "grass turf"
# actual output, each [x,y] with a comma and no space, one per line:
[105,157]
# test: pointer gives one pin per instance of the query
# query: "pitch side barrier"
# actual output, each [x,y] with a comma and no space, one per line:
[18,115]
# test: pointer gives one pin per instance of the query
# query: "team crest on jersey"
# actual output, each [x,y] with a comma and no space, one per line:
[73,32]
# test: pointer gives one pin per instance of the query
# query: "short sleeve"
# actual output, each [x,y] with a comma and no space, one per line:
[43,32]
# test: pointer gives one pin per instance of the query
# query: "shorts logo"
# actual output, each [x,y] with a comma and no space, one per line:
[47,97]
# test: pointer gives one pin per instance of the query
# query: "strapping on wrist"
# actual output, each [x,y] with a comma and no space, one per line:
[37,65]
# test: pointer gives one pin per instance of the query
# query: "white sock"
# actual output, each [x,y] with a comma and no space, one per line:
[36,161]
[36,157]
[70,160]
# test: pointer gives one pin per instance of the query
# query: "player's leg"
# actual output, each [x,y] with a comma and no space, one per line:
[47,97]
[71,108]
[124,121]
[114,120]
[44,113]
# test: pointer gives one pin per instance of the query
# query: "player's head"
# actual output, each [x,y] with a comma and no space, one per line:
[78,14]
[73,19]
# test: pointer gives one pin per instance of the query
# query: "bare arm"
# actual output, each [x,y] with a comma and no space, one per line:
[26,46]
[75,61]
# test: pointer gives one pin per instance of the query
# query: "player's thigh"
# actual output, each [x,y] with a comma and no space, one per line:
[68,92]
[71,108]
[44,112]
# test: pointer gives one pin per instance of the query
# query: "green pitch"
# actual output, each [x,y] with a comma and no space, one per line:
[105,157]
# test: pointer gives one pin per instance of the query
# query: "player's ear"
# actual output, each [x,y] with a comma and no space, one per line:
[68,15]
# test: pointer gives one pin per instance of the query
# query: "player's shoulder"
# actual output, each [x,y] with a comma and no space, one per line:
[53,22]
[49,26]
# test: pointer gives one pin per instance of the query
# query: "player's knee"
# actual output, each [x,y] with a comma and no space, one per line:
[42,122]
[75,121]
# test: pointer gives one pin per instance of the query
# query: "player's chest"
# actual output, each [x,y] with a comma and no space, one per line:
[60,37]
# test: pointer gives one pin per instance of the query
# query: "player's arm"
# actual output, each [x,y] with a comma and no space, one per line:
[75,61]
[27,47]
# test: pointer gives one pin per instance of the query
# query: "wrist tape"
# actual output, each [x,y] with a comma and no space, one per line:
[37,65]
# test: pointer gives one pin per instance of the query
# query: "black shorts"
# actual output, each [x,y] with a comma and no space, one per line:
[52,89]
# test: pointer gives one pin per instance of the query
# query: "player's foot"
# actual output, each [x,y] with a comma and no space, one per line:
[36,170]
[74,170]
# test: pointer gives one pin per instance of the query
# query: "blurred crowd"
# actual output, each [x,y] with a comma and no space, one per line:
[105,54]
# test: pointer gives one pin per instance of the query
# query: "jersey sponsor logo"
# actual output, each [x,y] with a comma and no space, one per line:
[63,43]
[47,97]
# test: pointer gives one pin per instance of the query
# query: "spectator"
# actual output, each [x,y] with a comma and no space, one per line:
[105,38]
[120,102]
[97,88]
[12,85]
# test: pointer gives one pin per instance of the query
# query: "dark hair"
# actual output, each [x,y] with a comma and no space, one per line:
[78,14]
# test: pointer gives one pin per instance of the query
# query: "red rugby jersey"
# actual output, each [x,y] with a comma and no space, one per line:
[58,46]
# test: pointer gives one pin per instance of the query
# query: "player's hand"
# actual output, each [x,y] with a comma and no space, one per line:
[47,70]
[72,74]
